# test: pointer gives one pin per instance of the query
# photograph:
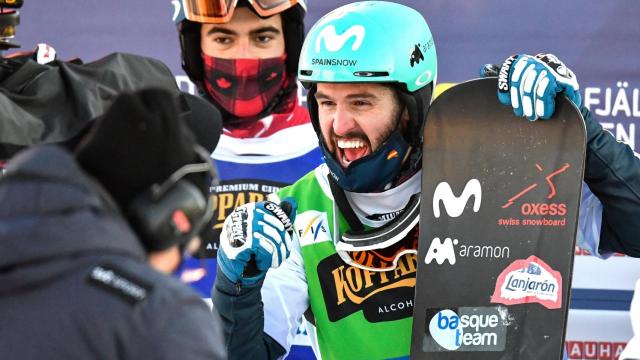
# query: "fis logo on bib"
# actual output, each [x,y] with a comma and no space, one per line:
[467,329]
[312,227]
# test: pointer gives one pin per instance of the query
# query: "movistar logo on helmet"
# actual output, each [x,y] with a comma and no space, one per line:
[334,42]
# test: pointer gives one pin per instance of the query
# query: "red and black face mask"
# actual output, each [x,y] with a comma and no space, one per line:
[244,87]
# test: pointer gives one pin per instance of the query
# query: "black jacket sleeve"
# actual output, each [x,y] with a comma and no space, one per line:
[188,330]
[240,308]
[612,172]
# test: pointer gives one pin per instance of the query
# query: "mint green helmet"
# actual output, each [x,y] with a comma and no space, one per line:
[370,41]
[373,42]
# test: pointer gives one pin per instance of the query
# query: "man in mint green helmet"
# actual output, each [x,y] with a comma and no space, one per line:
[340,243]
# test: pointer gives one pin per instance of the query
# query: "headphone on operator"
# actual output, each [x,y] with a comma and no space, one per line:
[174,211]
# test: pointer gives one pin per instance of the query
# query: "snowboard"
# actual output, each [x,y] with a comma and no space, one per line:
[498,218]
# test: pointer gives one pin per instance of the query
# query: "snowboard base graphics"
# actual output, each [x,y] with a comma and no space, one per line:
[498,218]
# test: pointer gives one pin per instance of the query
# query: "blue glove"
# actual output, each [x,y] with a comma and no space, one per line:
[530,84]
[254,238]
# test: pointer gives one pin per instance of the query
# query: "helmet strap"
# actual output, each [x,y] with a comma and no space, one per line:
[417,104]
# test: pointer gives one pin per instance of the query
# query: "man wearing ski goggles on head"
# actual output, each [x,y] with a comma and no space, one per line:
[243,57]
[341,244]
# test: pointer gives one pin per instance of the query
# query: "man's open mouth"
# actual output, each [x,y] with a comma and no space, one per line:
[350,150]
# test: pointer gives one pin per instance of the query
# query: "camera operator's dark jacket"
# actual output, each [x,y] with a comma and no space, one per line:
[74,282]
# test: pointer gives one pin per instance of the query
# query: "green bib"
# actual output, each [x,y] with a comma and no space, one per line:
[358,314]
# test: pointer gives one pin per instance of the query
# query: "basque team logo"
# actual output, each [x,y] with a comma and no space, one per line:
[529,281]
[467,329]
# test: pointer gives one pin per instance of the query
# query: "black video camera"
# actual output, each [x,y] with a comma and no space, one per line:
[9,20]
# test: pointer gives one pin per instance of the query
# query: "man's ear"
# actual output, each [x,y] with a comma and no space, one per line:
[404,119]
[165,261]
[405,114]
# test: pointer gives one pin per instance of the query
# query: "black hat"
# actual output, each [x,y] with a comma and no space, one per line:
[204,120]
[144,137]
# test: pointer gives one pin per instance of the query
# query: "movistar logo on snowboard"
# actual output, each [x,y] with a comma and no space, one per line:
[467,329]
[454,205]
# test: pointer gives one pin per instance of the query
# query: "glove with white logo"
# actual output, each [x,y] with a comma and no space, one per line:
[530,84]
[254,238]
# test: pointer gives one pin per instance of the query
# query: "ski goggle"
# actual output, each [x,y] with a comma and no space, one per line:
[385,259]
[221,11]
[380,249]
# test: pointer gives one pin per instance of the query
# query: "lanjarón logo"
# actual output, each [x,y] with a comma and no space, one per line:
[528,281]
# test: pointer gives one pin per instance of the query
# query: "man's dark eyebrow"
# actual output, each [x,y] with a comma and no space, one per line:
[319,95]
[254,32]
[264,29]
[363,95]
[221,30]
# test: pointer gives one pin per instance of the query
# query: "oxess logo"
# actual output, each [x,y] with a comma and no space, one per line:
[334,42]
[552,187]
[529,281]
[467,329]
[532,210]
